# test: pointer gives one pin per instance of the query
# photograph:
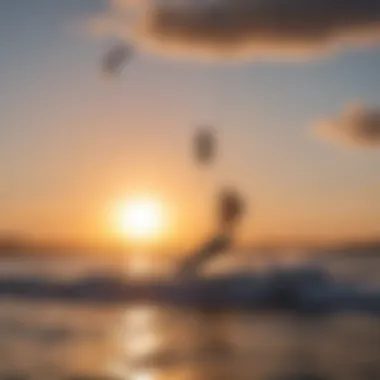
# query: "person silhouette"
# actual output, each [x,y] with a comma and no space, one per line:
[230,211]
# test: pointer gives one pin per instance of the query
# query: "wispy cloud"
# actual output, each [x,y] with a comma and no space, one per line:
[357,126]
[235,28]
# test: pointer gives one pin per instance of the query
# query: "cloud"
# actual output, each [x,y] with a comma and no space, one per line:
[357,126]
[235,28]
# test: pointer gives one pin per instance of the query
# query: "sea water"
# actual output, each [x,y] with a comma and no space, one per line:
[58,340]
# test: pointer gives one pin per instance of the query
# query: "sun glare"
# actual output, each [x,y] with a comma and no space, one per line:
[141,219]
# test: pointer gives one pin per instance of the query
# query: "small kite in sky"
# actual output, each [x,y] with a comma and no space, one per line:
[116,59]
[205,147]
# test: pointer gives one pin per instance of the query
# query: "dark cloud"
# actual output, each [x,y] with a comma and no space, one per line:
[254,27]
[357,126]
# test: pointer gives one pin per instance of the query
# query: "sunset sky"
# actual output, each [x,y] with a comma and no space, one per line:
[74,143]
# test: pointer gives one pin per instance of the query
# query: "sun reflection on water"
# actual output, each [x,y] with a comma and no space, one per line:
[145,375]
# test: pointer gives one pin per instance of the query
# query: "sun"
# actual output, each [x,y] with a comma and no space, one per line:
[140,218]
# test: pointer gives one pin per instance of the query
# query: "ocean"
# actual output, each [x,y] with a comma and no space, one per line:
[53,338]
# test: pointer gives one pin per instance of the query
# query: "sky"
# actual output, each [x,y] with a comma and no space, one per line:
[73,143]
